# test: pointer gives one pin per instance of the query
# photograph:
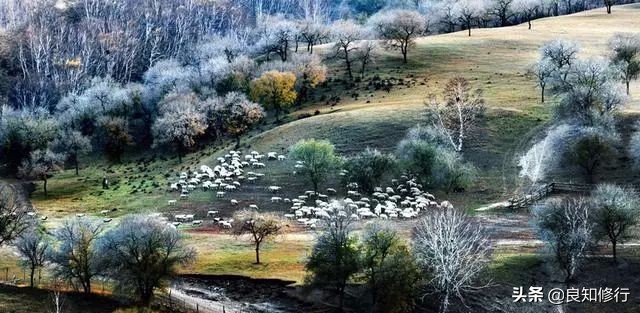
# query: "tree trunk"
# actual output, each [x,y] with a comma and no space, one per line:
[77,165]
[237,142]
[628,92]
[341,298]
[257,253]
[469,27]
[45,185]
[542,94]
[529,21]
[33,273]
[614,244]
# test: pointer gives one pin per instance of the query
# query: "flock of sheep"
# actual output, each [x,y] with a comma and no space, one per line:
[404,199]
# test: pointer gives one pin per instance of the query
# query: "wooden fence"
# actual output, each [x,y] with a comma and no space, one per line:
[545,190]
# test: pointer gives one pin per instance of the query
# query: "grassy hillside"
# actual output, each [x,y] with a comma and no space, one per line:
[494,60]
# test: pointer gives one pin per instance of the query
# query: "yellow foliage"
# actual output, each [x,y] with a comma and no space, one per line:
[275,90]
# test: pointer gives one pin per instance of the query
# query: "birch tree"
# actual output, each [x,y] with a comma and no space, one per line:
[456,116]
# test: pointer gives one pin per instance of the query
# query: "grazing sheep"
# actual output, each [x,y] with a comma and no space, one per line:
[196,223]
[253,206]
[281,157]
[331,191]
[176,224]
[184,196]
[276,199]
[274,188]
[171,202]
[234,201]
[220,194]
[211,213]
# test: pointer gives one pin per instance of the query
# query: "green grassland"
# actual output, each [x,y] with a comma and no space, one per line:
[494,60]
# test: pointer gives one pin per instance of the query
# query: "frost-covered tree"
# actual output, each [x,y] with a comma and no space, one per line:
[40,165]
[503,10]
[543,71]
[398,28]
[275,90]
[313,33]
[625,56]
[166,76]
[562,54]
[76,258]
[345,34]
[566,226]
[238,115]
[365,55]
[453,250]
[527,9]
[318,158]
[33,246]
[616,214]
[546,155]
[141,254]
[469,11]
[277,35]
[72,144]
[590,93]
[180,123]
[457,115]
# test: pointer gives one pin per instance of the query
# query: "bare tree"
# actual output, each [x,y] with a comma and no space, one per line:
[33,246]
[469,11]
[527,9]
[399,28]
[616,213]
[503,10]
[76,257]
[346,33]
[566,227]
[458,114]
[142,254]
[543,70]
[12,214]
[453,250]
[364,54]
[259,228]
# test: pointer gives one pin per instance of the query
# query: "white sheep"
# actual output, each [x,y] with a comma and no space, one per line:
[171,202]
[220,194]
[211,213]
[234,201]
[276,199]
